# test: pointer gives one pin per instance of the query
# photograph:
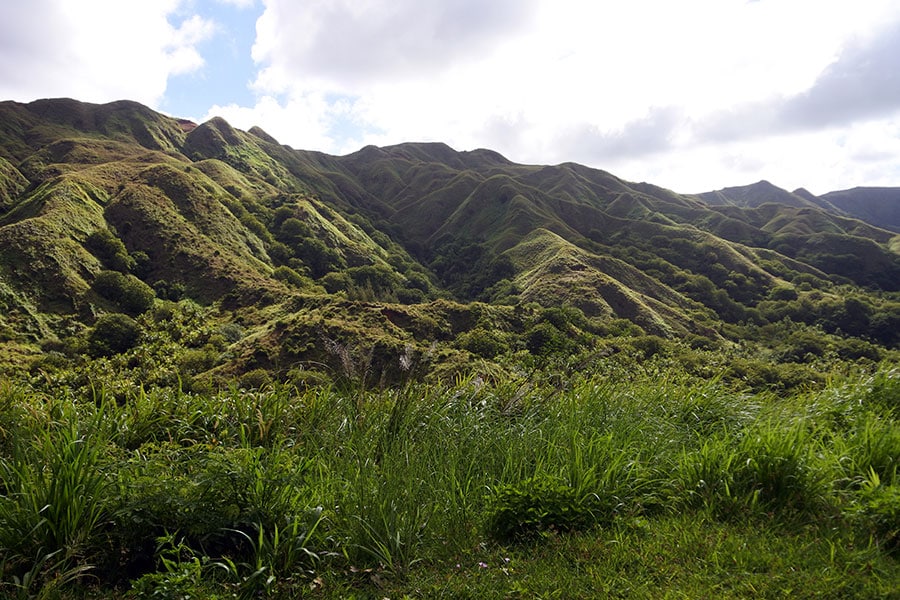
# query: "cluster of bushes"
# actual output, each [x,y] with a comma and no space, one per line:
[469,270]
[170,345]
[110,250]
[847,315]
[125,291]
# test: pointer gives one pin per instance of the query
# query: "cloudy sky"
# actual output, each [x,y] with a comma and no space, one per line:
[692,95]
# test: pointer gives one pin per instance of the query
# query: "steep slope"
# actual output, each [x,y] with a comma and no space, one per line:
[876,205]
[819,233]
[392,247]
[552,270]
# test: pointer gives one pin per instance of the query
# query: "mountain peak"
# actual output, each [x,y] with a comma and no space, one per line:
[754,195]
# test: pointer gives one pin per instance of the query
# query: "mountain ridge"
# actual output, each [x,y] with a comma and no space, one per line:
[240,223]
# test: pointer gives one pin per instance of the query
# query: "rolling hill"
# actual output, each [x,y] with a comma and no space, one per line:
[310,262]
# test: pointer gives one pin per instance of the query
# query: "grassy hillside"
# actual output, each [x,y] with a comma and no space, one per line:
[875,205]
[114,209]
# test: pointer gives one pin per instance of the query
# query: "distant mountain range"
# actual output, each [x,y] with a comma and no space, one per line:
[396,245]
[877,205]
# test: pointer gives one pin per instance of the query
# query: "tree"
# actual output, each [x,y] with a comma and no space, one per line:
[109,250]
[131,294]
[113,334]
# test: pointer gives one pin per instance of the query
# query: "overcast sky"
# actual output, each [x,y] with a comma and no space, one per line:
[692,95]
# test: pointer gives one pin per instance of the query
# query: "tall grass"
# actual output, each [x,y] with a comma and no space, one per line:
[53,485]
[262,491]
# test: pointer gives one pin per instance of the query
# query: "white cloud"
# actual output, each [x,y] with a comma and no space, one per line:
[864,154]
[347,43]
[689,95]
[238,3]
[304,119]
[96,50]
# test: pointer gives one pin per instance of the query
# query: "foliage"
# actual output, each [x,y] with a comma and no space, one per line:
[110,250]
[661,398]
[538,505]
[128,292]
[880,512]
[113,334]
[469,269]
[273,490]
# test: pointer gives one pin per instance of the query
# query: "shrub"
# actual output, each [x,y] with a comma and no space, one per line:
[544,338]
[650,345]
[874,448]
[336,282]
[768,467]
[481,342]
[197,360]
[54,495]
[855,349]
[131,294]
[535,505]
[803,346]
[112,334]
[410,296]
[879,512]
[776,467]
[290,277]
[109,250]
[169,291]
[255,379]
[783,293]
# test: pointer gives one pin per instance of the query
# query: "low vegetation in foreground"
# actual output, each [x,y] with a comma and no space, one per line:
[628,481]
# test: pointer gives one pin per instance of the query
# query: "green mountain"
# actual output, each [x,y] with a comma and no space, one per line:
[762,192]
[872,204]
[877,205]
[297,263]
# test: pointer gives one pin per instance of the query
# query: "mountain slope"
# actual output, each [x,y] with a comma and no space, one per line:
[754,195]
[874,205]
[236,221]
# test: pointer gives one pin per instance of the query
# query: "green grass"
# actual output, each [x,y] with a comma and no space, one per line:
[654,487]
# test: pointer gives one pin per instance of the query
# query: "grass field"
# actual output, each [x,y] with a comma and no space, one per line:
[620,484]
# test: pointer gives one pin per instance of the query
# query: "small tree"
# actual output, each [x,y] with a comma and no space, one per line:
[131,294]
[113,334]
[109,250]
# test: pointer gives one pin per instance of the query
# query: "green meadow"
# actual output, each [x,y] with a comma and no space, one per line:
[628,481]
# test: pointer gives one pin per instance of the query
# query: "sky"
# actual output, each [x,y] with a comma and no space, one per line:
[694,95]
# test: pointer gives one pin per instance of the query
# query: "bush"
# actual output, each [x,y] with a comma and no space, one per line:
[855,349]
[290,277]
[255,379]
[109,250]
[783,293]
[803,346]
[536,505]
[650,345]
[410,296]
[336,282]
[197,360]
[879,512]
[767,468]
[131,294]
[113,334]
[481,342]
[169,291]
[544,338]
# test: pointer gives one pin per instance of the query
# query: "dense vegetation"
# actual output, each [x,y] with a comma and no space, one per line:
[633,481]
[288,255]
[231,368]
